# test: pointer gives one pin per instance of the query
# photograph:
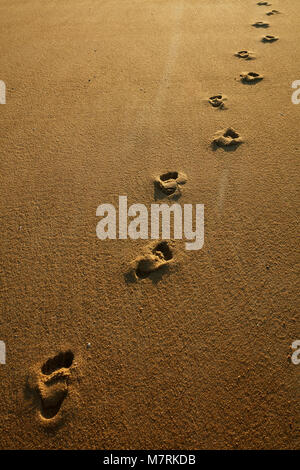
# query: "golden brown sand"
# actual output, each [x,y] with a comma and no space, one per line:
[102,98]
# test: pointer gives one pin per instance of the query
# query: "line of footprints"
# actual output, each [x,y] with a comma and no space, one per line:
[49,385]
[230,137]
[159,255]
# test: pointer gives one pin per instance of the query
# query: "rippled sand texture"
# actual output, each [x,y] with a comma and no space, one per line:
[123,344]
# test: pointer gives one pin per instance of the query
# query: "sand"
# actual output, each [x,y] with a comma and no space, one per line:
[103,97]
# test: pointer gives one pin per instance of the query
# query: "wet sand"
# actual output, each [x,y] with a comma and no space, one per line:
[102,98]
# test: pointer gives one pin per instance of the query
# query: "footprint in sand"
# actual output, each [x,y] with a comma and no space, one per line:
[269,38]
[218,101]
[51,384]
[261,24]
[155,257]
[264,3]
[247,55]
[251,77]
[170,184]
[227,138]
[273,12]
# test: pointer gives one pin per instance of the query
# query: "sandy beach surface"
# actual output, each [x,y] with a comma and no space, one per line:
[101,98]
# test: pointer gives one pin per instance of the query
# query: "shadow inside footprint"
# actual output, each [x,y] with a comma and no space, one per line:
[251,77]
[261,24]
[63,359]
[272,12]
[152,264]
[247,55]
[169,184]
[228,138]
[217,101]
[163,249]
[269,38]
[261,3]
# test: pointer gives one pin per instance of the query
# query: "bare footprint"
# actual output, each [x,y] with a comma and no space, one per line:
[273,12]
[227,138]
[155,257]
[218,101]
[261,24]
[63,360]
[51,383]
[247,55]
[169,184]
[269,38]
[251,77]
